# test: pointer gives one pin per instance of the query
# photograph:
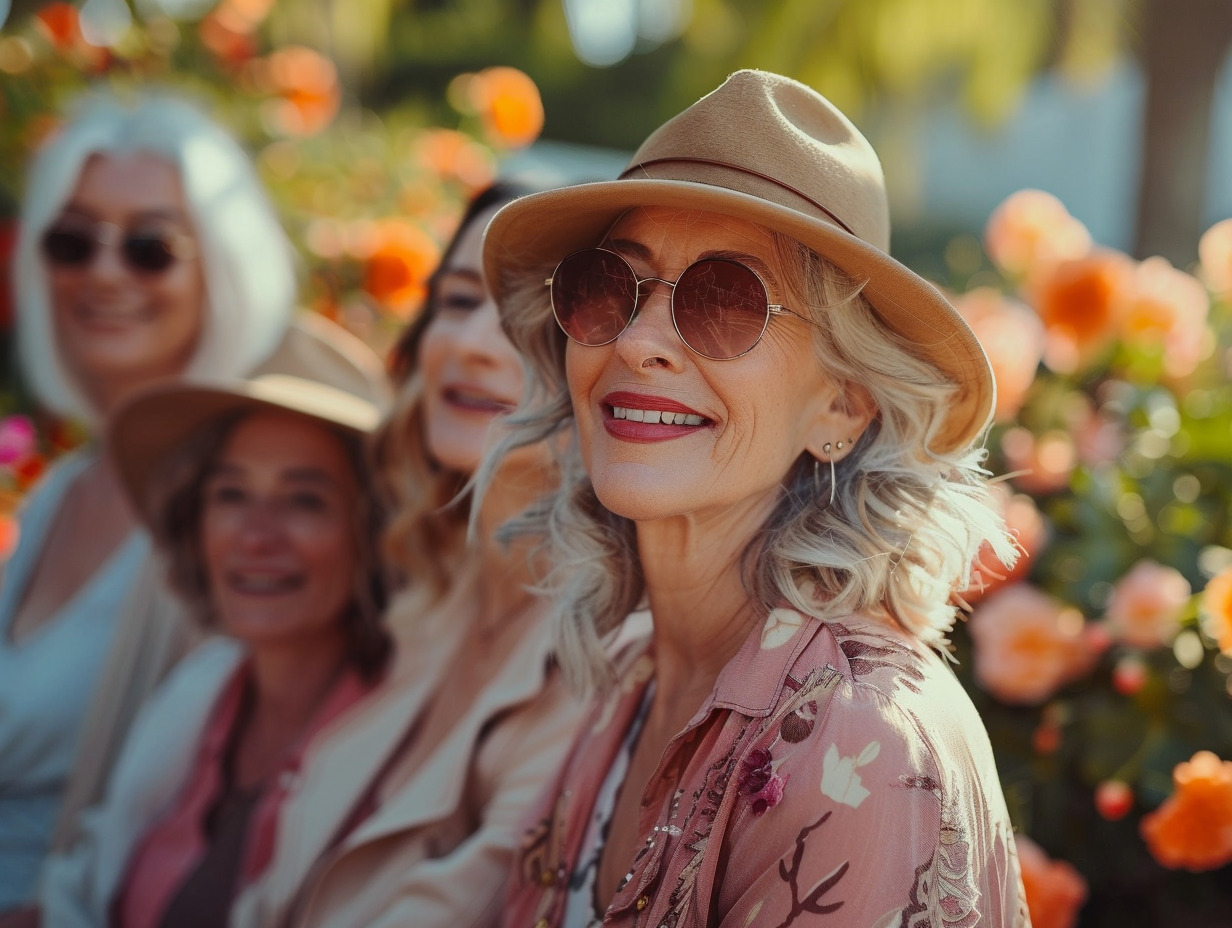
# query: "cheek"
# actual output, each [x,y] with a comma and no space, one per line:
[183,295]
[582,368]
[218,533]
[434,351]
[329,545]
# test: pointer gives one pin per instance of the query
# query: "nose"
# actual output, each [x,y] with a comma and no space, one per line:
[650,340]
[260,527]
[481,337]
[107,265]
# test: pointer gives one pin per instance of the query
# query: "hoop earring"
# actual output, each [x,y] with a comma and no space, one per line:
[816,481]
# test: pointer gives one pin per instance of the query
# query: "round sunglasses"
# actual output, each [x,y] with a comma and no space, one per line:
[720,307]
[144,252]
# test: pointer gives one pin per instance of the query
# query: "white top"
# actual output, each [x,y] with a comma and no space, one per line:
[582,910]
[47,679]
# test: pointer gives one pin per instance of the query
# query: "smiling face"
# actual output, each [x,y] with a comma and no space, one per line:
[278,531]
[119,327]
[471,372]
[714,436]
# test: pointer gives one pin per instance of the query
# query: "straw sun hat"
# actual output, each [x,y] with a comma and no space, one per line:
[148,430]
[768,149]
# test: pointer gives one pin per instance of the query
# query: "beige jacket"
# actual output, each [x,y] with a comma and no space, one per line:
[437,849]
[154,630]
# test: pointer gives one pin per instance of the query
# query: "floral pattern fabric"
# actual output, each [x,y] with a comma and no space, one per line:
[837,776]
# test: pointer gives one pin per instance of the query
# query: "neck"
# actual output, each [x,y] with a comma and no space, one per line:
[292,681]
[506,569]
[110,393]
[696,592]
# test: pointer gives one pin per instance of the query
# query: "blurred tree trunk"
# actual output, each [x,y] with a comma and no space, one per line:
[1183,45]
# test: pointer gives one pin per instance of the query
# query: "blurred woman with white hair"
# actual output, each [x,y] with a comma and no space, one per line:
[147,252]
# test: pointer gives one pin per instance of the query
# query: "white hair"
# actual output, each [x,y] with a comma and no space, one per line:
[247,261]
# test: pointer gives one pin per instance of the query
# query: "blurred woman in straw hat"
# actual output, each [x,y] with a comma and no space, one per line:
[776,451]
[147,252]
[259,495]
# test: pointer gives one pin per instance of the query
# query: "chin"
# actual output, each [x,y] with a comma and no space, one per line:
[640,500]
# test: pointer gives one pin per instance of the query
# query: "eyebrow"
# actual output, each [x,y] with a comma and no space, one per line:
[313,475]
[170,214]
[465,272]
[642,252]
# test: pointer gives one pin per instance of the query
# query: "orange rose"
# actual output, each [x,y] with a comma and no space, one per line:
[1193,828]
[1080,302]
[1217,608]
[398,265]
[1041,464]
[60,23]
[1055,890]
[306,84]
[449,153]
[1032,231]
[1014,339]
[1028,645]
[1215,257]
[8,535]
[1167,307]
[509,104]
[1145,607]
[1024,522]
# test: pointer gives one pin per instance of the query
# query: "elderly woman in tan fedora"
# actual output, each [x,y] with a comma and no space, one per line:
[259,494]
[776,428]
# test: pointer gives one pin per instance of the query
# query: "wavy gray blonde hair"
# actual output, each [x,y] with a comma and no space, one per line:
[900,536]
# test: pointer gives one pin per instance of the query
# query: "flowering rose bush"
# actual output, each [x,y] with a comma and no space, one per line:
[1101,664]
[369,197]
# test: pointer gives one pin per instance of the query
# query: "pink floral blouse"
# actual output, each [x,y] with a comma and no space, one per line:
[837,776]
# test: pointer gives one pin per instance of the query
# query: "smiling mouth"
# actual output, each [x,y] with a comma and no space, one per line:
[265,584]
[113,315]
[656,416]
[475,401]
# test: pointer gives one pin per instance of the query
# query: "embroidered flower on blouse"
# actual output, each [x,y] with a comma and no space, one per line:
[839,779]
[759,783]
[799,724]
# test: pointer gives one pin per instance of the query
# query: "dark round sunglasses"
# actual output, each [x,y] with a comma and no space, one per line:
[145,252]
[720,307]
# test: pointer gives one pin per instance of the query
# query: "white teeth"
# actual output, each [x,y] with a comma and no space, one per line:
[263,584]
[655,416]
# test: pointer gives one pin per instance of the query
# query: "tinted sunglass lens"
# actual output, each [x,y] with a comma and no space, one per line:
[67,247]
[147,252]
[594,295]
[720,308]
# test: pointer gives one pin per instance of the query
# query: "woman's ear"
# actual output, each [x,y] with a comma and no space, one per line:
[839,425]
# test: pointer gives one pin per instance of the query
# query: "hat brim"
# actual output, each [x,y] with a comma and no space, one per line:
[534,232]
[145,433]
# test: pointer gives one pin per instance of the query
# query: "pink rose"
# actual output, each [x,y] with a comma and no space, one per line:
[1028,645]
[1145,607]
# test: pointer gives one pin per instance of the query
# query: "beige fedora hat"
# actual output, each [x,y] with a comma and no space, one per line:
[768,149]
[147,431]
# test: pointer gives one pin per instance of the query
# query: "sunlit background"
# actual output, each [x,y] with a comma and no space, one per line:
[1063,167]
